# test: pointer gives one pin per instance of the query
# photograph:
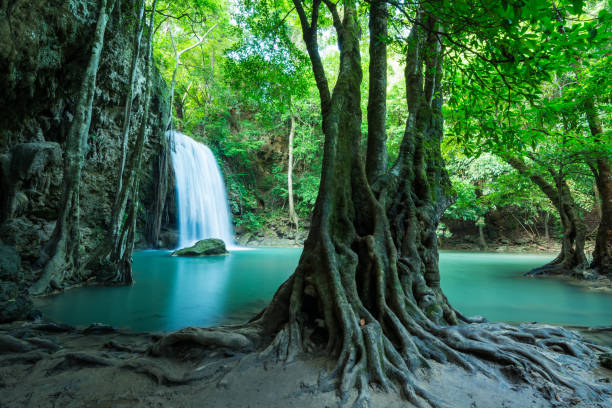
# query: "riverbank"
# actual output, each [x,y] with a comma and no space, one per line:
[280,234]
[46,364]
[279,237]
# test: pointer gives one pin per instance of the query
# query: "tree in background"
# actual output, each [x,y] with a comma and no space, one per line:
[270,73]
[520,106]
[473,181]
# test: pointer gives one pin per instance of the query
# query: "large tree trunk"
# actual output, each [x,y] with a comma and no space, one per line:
[376,158]
[602,255]
[572,257]
[367,287]
[59,258]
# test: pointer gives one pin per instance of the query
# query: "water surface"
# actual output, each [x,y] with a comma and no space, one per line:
[172,292]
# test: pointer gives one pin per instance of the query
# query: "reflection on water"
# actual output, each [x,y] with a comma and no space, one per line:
[492,285]
[172,292]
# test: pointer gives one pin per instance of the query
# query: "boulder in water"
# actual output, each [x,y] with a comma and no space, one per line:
[209,246]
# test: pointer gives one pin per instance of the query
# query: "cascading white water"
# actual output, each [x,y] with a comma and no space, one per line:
[203,208]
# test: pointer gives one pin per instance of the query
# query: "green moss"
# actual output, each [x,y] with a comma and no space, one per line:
[205,247]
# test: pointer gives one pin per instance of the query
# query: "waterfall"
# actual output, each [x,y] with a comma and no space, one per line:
[203,209]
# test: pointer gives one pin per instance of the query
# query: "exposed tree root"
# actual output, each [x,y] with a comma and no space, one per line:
[219,337]
[84,358]
[165,372]
[10,344]
[532,355]
[113,345]
[389,350]
[21,358]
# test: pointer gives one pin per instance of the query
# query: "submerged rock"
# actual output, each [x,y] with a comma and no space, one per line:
[209,246]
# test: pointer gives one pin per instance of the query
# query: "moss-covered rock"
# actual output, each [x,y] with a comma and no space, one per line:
[205,247]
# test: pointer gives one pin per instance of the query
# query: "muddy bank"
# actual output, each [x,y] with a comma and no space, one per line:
[55,365]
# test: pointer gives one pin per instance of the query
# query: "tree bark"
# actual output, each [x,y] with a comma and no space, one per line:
[293,217]
[376,157]
[129,99]
[481,238]
[546,230]
[572,257]
[122,241]
[602,255]
[161,174]
[59,258]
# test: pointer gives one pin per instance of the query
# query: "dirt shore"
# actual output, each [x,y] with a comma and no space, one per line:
[44,365]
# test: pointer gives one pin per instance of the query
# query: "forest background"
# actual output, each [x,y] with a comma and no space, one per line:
[240,82]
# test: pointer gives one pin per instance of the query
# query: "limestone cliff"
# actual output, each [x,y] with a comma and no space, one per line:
[44,47]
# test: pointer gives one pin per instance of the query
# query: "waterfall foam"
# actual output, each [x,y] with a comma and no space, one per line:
[203,209]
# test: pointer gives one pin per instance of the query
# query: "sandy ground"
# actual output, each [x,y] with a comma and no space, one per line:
[73,369]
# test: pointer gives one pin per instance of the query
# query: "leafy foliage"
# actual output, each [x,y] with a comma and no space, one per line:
[519,75]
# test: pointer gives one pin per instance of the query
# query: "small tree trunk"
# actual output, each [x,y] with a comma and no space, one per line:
[293,217]
[162,172]
[60,255]
[602,255]
[177,63]
[127,109]
[482,243]
[572,255]
[598,208]
[121,254]
[546,231]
